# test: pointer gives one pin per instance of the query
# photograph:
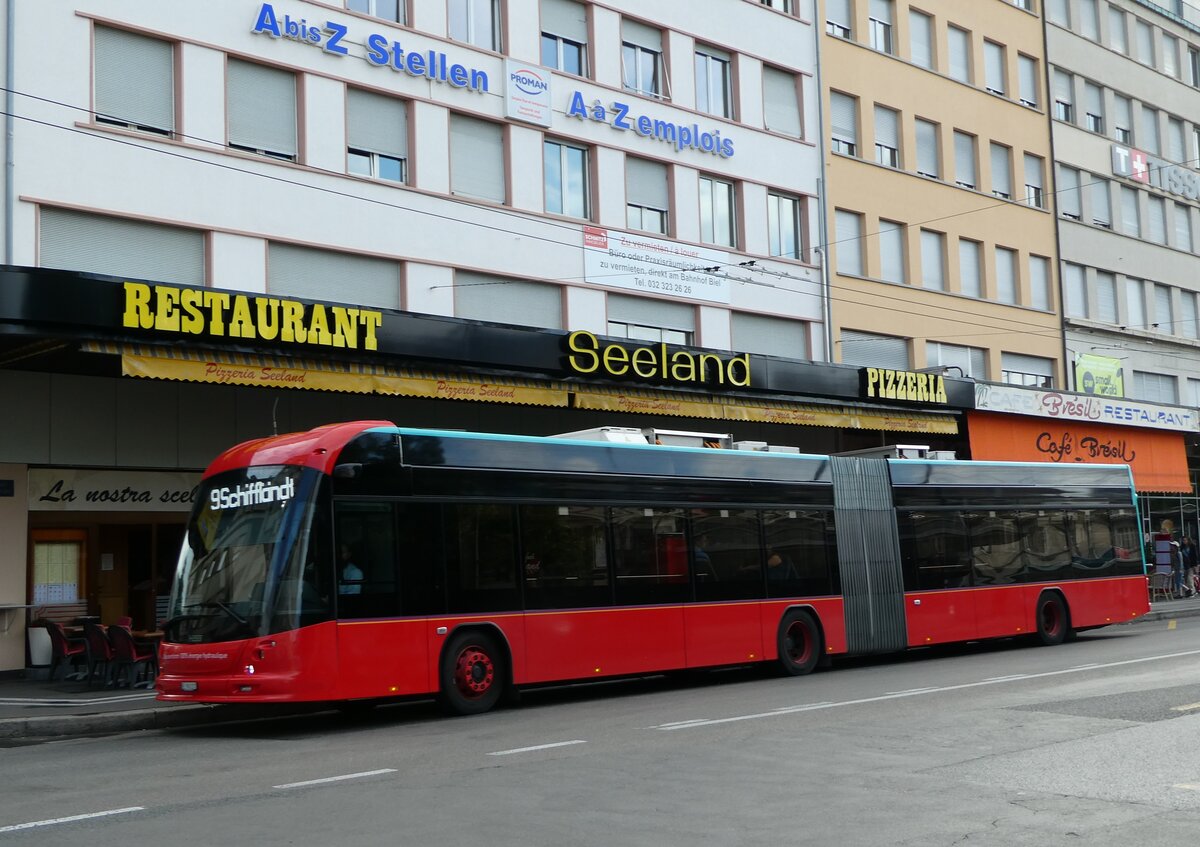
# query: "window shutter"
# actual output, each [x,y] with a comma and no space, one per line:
[1101,203]
[1075,285]
[1191,318]
[849,242]
[1039,282]
[1027,70]
[491,298]
[1183,227]
[891,251]
[641,35]
[1175,143]
[964,159]
[993,58]
[81,242]
[1022,363]
[1135,303]
[881,10]
[769,336]
[843,117]
[646,183]
[1068,192]
[1093,99]
[646,311]
[969,268]
[960,54]
[261,107]
[565,18]
[887,131]
[781,105]
[1162,309]
[1156,224]
[1062,87]
[135,79]
[927,149]
[1006,275]
[1130,221]
[838,12]
[933,260]
[1106,297]
[476,158]
[867,348]
[377,124]
[920,28]
[327,275]
[1001,170]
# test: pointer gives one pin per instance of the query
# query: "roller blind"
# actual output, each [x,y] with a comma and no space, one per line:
[1101,204]
[993,58]
[641,35]
[838,12]
[881,10]
[1156,219]
[1068,192]
[769,336]
[927,149]
[1033,170]
[1130,220]
[781,106]
[1027,73]
[959,41]
[920,28]
[1021,363]
[891,251]
[933,260]
[377,124]
[1175,143]
[887,131]
[849,242]
[1006,275]
[971,360]
[1135,303]
[964,159]
[843,116]
[1001,170]
[1106,297]
[867,348]
[1093,99]
[492,298]
[646,311]
[1074,284]
[476,158]
[327,275]
[969,275]
[135,79]
[81,242]
[1062,86]
[261,104]
[1183,227]
[646,183]
[565,18]
[1039,282]
[1162,309]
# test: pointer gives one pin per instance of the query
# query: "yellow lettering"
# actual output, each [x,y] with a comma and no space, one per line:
[940,394]
[710,358]
[923,387]
[191,299]
[872,382]
[293,322]
[318,327]
[591,342]
[911,380]
[345,323]
[683,367]
[268,317]
[644,356]
[241,322]
[744,361]
[371,322]
[166,308]
[217,302]
[614,356]
[137,306]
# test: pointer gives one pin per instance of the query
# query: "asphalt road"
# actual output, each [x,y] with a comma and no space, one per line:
[1094,743]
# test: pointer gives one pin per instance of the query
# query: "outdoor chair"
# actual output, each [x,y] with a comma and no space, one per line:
[141,661]
[1162,583]
[66,651]
[99,652]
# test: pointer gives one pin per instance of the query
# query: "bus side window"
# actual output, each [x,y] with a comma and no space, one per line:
[366,563]
[481,559]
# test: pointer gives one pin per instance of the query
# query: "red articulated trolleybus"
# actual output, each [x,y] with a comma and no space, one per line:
[363,561]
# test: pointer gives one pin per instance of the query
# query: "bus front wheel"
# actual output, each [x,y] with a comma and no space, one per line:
[473,675]
[1052,622]
[799,643]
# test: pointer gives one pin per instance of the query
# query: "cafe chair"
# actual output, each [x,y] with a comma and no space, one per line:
[66,651]
[1162,583]
[99,653]
[125,621]
[140,662]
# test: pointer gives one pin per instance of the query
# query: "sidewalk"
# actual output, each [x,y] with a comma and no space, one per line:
[36,709]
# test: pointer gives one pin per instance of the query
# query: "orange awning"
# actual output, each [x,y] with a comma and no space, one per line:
[1158,457]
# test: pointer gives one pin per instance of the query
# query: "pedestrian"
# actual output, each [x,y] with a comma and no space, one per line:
[1188,560]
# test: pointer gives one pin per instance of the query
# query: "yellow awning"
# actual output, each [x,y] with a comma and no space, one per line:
[223,368]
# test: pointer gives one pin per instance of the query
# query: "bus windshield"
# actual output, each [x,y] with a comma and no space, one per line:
[249,563]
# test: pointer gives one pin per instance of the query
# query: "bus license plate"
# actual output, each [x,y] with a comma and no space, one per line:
[187,686]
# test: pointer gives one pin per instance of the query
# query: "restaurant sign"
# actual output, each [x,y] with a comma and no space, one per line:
[907,386]
[589,356]
[88,490]
[1017,400]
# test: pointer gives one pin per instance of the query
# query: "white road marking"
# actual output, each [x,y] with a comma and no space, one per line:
[793,708]
[63,701]
[1006,678]
[70,819]
[1187,786]
[1188,708]
[913,690]
[335,778]
[537,747]
[1085,667]
[679,723]
[921,691]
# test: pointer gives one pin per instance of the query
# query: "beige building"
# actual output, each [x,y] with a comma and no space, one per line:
[939,208]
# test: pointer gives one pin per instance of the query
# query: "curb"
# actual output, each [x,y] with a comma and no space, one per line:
[1169,614]
[173,717]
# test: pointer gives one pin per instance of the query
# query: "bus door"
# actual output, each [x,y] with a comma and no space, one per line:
[940,605]
[724,626]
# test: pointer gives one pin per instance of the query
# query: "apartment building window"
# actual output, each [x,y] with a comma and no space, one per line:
[964,159]
[971,361]
[1001,160]
[1183,227]
[389,10]
[1089,20]
[1135,304]
[1122,119]
[134,81]
[887,137]
[872,349]
[1176,146]
[1093,104]
[376,136]
[477,159]
[785,226]
[1035,193]
[1144,40]
[1196,143]
[769,336]
[714,82]
[970,268]
[484,297]
[891,251]
[1027,5]
[1155,388]
[838,19]
[1164,318]
[1190,324]
[642,59]
[1117,36]
[781,102]
[1101,202]
[920,33]
[848,232]
[1039,283]
[785,6]
[1027,80]
[1193,60]
[1031,371]
[879,22]
[77,241]
[1057,12]
[647,319]
[564,36]
[928,157]
[1069,204]
[294,271]
[1156,219]
[1006,275]
[565,167]
[1150,138]
[1170,55]
[933,260]
[843,113]
[718,224]
[1106,298]
[1064,99]
[261,109]
[1075,289]
[993,66]
[958,43]
[1131,222]
[647,196]
[476,22]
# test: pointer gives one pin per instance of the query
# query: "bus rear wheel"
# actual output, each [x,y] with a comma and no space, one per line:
[1052,622]
[473,675]
[799,643]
